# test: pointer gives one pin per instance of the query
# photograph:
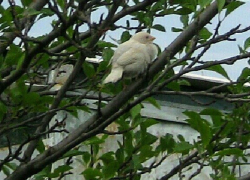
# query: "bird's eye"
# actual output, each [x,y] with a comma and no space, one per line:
[147,37]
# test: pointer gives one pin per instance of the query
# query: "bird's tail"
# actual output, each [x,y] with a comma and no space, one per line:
[114,76]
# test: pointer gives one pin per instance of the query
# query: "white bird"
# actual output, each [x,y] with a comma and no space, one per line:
[132,57]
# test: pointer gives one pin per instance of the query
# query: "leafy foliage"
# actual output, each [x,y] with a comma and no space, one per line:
[69,118]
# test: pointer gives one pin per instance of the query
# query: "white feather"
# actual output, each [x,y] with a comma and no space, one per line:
[114,76]
[132,57]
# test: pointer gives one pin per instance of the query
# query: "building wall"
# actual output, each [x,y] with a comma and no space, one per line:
[171,121]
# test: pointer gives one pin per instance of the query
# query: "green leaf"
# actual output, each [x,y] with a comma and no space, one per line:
[232,6]
[73,111]
[176,29]
[47,12]
[200,125]
[215,114]
[184,82]
[18,10]
[119,154]
[181,137]
[146,152]
[205,33]
[125,36]
[59,170]
[123,124]
[128,143]
[136,162]
[61,3]
[110,169]
[229,151]
[147,138]
[183,11]
[191,4]
[159,27]
[40,146]
[136,121]
[92,174]
[12,166]
[204,3]
[135,111]
[107,54]
[26,2]
[42,174]
[175,86]
[13,56]
[32,12]
[167,142]
[241,50]
[247,43]
[245,73]
[88,69]
[6,16]
[107,157]
[154,102]
[221,4]
[156,7]
[94,140]
[219,69]
[104,44]
[184,20]
[44,61]
[73,152]
[5,170]
[230,127]
[149,122]
[31,98]
[211,112]
[147,20]
[86,157]
[183,147]
[84,108]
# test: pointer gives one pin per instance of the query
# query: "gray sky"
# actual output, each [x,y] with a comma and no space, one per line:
[221,50]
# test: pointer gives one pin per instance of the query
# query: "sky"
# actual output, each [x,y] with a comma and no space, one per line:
[219,51]
[163,39]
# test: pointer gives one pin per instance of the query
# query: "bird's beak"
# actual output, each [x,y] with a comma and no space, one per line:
[152,38]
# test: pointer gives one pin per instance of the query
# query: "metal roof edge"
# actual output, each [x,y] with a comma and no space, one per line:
[206,82]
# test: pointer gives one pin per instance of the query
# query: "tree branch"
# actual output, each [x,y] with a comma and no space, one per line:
[92,126]
[10,36]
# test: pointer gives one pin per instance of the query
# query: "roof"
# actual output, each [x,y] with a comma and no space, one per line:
[205,82]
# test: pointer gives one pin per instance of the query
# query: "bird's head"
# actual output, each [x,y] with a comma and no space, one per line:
[143,37]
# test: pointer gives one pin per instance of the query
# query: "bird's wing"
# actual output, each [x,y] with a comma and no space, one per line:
[133,55]
[122,48]
[152,51]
